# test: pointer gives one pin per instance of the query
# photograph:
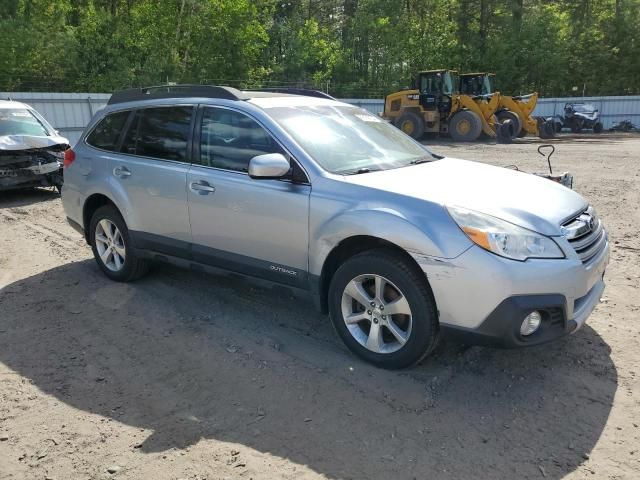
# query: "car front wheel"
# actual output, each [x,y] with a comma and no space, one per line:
[382,308]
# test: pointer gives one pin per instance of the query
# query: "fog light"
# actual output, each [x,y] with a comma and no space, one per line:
[531,323]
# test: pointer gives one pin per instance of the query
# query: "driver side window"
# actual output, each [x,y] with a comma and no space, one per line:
[230,139]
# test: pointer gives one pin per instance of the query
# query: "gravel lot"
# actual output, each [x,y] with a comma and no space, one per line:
[187,376]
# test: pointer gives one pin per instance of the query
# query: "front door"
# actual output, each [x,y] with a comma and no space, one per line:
[256,227]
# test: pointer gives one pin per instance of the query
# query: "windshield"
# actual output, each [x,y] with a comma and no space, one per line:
[20,121]
[437,83]
[347,140]
[488,85]
[583,107]
[452,83]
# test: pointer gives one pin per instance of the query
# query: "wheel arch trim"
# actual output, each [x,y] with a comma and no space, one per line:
[115,196]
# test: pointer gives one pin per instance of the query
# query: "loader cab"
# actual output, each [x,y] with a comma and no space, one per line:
[478,84]
[437,87]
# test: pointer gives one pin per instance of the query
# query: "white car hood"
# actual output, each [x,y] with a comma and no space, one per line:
[520,198]
[26,142]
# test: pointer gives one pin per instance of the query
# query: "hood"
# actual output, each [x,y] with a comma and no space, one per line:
[520,198]
[26,142]
[587,115]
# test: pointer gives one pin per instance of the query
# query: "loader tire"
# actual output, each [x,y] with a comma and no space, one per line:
[465,126]
[597,128]
[516,123]
[411,123]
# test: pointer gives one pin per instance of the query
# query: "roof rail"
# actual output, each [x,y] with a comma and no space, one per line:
[176,91]
[307,92]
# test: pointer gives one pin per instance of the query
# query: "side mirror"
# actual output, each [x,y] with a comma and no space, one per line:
[269,166]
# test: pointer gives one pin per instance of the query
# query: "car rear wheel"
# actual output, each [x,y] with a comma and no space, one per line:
[112,247]
[382,308]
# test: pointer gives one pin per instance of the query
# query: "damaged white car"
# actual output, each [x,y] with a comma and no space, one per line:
[31,151]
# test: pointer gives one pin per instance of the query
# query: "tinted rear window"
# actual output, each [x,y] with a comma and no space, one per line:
[106,134]
[159,133]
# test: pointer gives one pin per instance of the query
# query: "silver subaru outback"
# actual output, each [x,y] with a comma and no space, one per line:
[399,245]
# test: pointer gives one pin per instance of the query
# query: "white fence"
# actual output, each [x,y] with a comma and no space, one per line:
[70,112]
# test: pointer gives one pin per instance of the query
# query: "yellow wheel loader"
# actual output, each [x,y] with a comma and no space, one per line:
[513,112]
[435,105]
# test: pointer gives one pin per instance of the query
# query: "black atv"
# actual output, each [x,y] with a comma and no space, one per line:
[624,126]
[578,117]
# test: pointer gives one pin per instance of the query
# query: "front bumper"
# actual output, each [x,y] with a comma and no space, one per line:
[483,298]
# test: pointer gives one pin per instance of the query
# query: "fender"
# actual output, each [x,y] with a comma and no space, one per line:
[389,225]
[114,191]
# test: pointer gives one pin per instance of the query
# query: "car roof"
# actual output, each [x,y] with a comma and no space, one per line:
[264,98]
[4,104]
[271,100]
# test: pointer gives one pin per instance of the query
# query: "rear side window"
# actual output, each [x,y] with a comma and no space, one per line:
[107,133]
[159,133]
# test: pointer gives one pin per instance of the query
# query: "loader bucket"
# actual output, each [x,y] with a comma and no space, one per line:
[504,132]
[546,128]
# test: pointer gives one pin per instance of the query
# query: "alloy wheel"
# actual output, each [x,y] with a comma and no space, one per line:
[376,313]
[110,245]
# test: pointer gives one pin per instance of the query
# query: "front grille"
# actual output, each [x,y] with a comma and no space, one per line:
[586,234]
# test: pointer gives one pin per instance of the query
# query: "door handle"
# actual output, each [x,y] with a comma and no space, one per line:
[201,187]
[122,172]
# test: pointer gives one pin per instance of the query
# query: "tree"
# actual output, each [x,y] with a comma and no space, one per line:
[355,47]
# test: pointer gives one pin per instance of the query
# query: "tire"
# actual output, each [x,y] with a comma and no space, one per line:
[509,116]
[127,270]
[419,330]
[558,127]
[465,126]
[412,124]
[597,128]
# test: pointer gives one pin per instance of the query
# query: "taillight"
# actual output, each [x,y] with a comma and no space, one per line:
[69,157]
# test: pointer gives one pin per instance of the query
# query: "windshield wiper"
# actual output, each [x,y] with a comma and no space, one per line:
[427,158]
[361,170]
[418,161]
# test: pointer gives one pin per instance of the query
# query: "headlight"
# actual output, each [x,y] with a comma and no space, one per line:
[504,238]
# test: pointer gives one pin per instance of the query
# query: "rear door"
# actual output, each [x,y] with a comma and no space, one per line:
[152,170]
[258,227]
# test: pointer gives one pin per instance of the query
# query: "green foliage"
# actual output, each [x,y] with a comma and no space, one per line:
[354,48]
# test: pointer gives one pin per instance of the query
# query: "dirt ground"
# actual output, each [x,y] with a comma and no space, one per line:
[188,376]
